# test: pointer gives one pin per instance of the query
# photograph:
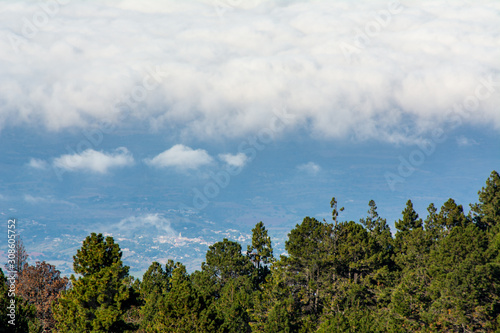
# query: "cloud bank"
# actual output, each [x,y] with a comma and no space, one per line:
[211,69]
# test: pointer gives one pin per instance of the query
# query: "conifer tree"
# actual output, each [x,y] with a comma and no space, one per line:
[410,240]
[465,281]
[98,300]
[487,211]
[431,222]
[181,306]
[261,251]
[381,236]
[225,265]
[410,219]
[335,210]
[308,268]
[452,215]
[155,284]
[225,261]
[371,220]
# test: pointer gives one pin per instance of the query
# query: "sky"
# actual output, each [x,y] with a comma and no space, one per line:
[148,119]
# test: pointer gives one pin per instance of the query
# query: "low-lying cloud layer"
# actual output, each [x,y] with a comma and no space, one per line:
[153,224]
[212,69]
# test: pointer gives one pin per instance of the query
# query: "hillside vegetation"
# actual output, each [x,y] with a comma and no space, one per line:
[439,273]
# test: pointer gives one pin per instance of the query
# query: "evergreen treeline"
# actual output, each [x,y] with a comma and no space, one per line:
[437,274]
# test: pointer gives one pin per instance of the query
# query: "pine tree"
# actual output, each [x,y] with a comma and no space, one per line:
[234,306]
[261,251]
[372,219]
[155,284]
[410,240]
[99,298]
[225,261]
[487,211]
[180,307]
[465,281]
[308,267]
[383,247]
[431,223]
[452,215]
[274,306]
[410,219]
[226,268]
[335,211]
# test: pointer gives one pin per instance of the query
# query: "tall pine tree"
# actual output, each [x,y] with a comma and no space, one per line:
[98,300]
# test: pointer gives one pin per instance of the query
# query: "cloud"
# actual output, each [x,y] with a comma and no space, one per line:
[150,224]
[210,71]
[310,168]
[36,163]
[95,161]
[181,157]
[463,141]
[35,200]
[237,160]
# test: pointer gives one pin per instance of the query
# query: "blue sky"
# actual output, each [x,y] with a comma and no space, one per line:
[148,119]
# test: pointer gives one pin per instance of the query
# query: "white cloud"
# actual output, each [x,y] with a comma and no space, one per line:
[46,200]
[310,168]
[36,163]
[209,70]
[463,141]
[151,224]
[182,157]
[237,160]
[95,161]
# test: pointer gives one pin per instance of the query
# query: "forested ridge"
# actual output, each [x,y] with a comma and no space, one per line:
[438,273]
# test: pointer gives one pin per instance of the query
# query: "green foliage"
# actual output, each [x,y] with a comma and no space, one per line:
[261,251]
[465,282]
[225,284]
[335,211]
[441,274]
[353,249]
[487,211]
[307,269]
[96,254]
[355,320]
[178,306]
[274,308]
[452,215]
[225,262]
[155,283]
[410,219]
[25,313]
[99,298]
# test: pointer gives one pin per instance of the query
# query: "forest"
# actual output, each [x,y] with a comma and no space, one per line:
[438,273]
